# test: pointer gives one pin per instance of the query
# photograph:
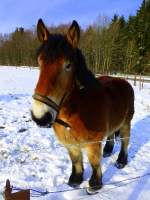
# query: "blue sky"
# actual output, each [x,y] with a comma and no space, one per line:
[25,13]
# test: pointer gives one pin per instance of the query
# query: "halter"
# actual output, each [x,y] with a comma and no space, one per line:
[53,105]
[46,100]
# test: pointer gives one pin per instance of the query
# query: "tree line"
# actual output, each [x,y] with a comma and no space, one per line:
[114,46]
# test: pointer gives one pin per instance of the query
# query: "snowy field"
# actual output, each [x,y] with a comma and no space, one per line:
[31,157]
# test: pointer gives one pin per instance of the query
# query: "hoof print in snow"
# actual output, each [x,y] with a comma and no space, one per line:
[22,130]
[28,120]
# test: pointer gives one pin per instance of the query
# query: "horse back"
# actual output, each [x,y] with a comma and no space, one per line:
[120,95]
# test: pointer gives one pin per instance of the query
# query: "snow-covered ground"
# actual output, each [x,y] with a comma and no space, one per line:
[31,157]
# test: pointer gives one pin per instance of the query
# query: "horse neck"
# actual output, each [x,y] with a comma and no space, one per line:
[77,94]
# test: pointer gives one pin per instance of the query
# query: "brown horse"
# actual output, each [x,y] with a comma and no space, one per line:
[68,94]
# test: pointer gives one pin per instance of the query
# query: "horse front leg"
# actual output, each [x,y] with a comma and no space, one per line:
[94,155]
[76,177]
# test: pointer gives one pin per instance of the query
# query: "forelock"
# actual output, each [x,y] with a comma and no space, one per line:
[56,47]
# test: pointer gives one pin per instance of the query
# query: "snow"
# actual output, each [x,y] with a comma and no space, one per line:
[31,157]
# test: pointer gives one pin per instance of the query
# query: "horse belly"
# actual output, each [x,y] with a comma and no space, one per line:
[79,134]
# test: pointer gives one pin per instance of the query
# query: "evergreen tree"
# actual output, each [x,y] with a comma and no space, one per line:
[118,46]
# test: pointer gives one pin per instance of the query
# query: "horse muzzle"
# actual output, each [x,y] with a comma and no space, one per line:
[44,111]
[44,121]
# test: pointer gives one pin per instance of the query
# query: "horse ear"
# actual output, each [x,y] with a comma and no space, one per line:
[73,34]
[42,31]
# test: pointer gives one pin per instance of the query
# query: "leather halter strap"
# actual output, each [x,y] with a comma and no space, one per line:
[53,105]
[46,100]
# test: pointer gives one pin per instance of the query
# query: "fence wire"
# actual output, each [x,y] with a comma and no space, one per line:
[79,145]
[117,184]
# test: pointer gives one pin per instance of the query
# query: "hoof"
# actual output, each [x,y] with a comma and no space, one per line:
[73,185]
[120,165]
[106,154]
[93,190]
[74,181]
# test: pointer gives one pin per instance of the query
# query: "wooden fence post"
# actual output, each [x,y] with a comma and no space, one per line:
[135,80]
[142,83]
[21,195]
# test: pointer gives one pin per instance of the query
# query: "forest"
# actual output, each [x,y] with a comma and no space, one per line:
[118,45]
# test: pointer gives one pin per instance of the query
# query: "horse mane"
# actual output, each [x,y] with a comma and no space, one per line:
[84,76]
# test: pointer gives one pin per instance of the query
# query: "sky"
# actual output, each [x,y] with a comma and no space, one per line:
[25,13]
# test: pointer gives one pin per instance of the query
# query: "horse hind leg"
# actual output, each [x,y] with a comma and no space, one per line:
[117,134]
[108,148]
[76,176]
[123,155]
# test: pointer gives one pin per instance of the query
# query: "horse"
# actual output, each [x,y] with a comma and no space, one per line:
[82,109]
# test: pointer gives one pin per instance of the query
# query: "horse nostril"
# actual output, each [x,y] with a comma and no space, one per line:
[46,120]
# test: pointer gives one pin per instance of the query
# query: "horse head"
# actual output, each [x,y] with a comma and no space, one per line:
[57,60]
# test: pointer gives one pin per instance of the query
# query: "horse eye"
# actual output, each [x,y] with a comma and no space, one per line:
[68,66]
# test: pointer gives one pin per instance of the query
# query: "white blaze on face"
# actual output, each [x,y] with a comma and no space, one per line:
[39,109]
